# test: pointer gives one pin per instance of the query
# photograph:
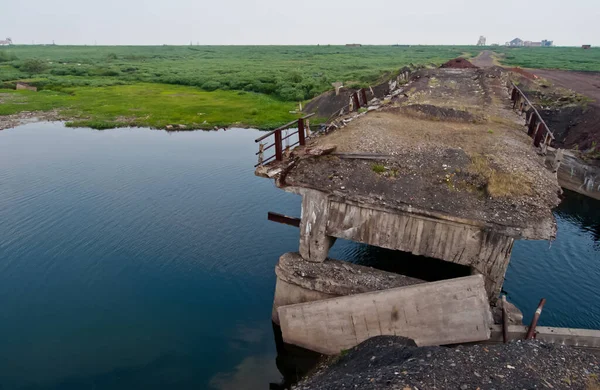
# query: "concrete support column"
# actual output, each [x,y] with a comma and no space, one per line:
[494,256]
[314,242]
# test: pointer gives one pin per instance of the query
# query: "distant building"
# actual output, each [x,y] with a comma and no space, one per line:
[532,44]
[481,41]
[6,42]
[515,42]
[586,47]
[353,45]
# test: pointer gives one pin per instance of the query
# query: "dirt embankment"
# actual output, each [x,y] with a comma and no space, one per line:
[576,125]
[389,362]
[458,63]
[328,103]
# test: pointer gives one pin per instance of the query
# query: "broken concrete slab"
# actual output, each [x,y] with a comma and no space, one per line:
[445,312]
[300,281]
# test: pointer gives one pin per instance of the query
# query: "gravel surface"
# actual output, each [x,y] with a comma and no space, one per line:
[431,136]
[337,277]
[386,362]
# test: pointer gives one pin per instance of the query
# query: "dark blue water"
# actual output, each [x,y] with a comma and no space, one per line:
[134,258]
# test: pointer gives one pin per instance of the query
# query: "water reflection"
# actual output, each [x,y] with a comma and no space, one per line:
[251,373]
[134,258]
[293,362]
[581,211]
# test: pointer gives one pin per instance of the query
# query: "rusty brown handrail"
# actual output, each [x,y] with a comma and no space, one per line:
[535,122]
[278,143]
[534,320]
[283,127]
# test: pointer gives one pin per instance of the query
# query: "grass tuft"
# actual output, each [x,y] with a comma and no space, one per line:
[378,168]
[499,184]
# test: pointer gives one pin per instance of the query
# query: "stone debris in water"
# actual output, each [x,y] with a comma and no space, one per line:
[517,365]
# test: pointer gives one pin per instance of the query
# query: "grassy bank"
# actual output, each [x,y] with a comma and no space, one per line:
[290,73]
[222,85]
[152,105]
[207,86]
[567,58]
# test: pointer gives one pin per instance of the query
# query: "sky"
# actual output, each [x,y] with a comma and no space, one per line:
[310,22]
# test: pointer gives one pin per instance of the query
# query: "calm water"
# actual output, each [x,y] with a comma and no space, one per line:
[134,258]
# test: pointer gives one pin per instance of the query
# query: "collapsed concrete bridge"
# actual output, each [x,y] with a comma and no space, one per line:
[442,167]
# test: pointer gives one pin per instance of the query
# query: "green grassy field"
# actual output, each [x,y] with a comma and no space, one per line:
[207,86]
[152,105]
[568,58]
[106,85]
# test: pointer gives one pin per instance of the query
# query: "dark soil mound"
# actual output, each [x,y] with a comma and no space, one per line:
[328,103]
[459,63]
[388,362]
[581,131]
[432,112]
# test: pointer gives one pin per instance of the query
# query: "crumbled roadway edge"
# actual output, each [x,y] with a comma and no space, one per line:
[388,362]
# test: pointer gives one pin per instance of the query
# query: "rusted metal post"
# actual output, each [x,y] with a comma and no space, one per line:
[301,135]
[534,321]
[532,125]
[527,118]
[539,134]
[363,94]
[280,218]
[278,146]
[517,101]
[355,100]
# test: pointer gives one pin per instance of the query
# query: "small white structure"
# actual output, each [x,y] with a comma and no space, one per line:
[6,42]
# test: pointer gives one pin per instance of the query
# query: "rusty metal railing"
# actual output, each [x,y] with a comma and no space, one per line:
[279,138]
[536,127]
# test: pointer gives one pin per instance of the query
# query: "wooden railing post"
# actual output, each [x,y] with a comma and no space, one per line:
[301,135]
[355,100]
[532,125]
[278,146]
[539,134]
[363,94]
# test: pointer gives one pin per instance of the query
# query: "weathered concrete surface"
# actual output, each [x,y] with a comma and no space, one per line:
[578,175]
[581,338]
[389,363]
[515,316]
[301,281]
[452,146]
[314,241]
[443,169]
[445,312]
[420,232]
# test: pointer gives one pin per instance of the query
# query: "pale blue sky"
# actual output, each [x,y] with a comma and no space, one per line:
[147,22]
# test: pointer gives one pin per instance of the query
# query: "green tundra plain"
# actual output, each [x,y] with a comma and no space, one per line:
[208,86]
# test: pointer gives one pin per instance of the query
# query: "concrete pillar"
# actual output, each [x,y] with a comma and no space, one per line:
[314,242]
[492,263]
